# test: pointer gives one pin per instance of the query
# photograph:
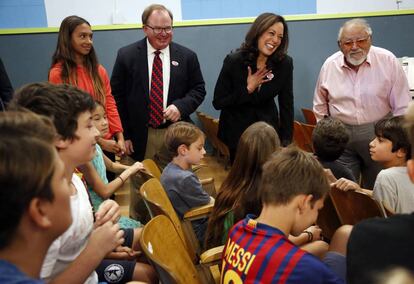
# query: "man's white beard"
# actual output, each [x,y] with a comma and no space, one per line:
[355,62]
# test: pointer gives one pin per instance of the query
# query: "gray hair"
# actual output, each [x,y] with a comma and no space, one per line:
[355,22]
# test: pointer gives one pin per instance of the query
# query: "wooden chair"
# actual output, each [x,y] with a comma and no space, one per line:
[152,168]
[210,127]
[166,251]
[328,219]
[210,135]
[354,206]
[158,203]
[308,130]
[300,139]
[223,149]
[309,115]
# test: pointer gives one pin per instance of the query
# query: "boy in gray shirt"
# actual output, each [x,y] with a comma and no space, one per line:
[183,187]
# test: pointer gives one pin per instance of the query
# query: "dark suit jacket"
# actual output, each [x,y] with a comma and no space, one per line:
[6,89]
[239,109]
[129,84]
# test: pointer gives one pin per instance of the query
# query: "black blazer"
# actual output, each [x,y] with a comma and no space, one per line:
[239,109]
[129,82]
[6,89]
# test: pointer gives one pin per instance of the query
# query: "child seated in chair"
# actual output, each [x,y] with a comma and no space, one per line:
[182,186]
[102,163]
[292,190]
[391,148]
[329,139]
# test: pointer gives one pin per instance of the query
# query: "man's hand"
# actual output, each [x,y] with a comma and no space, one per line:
[129,148]
[172,113]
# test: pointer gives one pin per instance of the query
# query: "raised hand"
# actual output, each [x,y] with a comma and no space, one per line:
[254,80]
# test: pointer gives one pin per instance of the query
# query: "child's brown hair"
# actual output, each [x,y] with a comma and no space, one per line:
[180,133]
[289,173]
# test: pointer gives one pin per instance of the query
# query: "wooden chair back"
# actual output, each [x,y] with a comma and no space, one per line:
[210,127]
[300,139]
[166,251]
[354,206]
[309,115]
[224,150]
[328,219]
[207,128]
[158,203]
[308,130]
[152,168]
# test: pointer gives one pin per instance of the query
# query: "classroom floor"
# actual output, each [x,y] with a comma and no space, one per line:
[214,168]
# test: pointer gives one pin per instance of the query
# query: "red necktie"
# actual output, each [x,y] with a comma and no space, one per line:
[156,92]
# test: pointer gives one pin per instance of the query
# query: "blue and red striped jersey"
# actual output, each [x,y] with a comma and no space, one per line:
[258,253]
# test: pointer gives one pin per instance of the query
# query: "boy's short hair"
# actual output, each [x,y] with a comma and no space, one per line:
[62,103]
[393,130]
[329,139]
[26,166]
[180,133]
[289,173]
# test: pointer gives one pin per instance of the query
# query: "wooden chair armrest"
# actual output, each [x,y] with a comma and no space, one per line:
[199,212]
[213,254]
[206,180]
[209,186]
[196,168]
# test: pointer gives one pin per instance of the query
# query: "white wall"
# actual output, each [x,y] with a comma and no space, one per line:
[105,12]
[350,6]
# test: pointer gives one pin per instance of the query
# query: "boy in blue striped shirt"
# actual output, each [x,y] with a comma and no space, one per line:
[292,191]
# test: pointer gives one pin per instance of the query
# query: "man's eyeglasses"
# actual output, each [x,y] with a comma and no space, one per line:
[359,41]
[157,30]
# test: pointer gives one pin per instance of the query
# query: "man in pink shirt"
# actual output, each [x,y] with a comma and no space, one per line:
[359,85]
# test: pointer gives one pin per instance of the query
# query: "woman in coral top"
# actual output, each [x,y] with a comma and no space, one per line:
[75,62]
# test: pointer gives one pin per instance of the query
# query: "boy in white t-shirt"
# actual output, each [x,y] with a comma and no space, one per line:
[74,256]
[391,148]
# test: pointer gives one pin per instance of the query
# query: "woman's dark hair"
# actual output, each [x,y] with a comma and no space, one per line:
[259,26]
[239,191]
[65,55]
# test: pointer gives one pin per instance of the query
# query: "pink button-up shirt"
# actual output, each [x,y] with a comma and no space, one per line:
[378,88]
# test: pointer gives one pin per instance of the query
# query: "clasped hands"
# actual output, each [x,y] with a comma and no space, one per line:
[107,236]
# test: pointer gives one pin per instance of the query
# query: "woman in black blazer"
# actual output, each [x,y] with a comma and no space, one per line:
[250,79]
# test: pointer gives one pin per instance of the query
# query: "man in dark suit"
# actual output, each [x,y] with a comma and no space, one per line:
[155,82]
[6,89]
[183,84]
